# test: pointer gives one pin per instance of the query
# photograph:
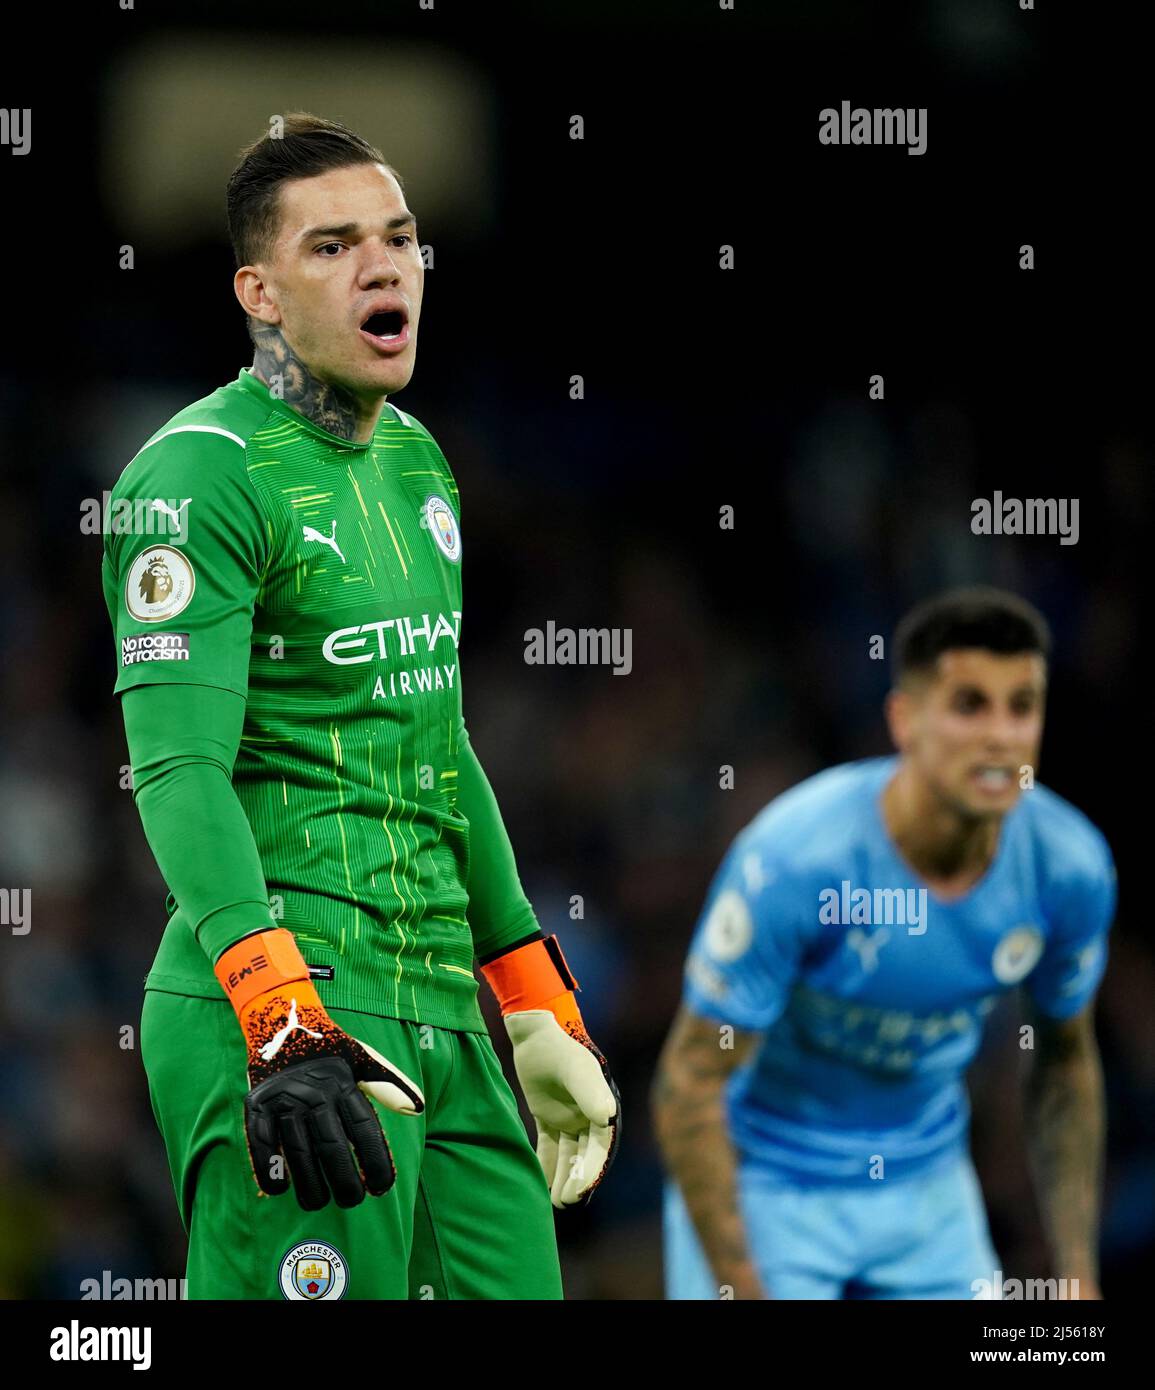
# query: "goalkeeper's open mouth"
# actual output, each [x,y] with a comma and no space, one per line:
[387,328]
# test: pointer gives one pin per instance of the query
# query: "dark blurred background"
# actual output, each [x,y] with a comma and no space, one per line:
[703,388]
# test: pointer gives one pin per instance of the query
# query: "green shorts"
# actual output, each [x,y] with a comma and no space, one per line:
[468,1217]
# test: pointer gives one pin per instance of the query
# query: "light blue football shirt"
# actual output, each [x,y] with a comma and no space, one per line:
[871,994]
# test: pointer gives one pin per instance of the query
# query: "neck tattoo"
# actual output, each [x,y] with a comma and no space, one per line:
[331,407]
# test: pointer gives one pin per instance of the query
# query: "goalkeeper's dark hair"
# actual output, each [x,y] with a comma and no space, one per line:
[303,146]
[992,620]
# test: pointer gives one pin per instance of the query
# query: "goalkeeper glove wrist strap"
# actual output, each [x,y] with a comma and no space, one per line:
[259,962]
[282,1016]
[535,976]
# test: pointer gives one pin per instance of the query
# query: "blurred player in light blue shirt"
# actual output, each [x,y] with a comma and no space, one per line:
[811,1102]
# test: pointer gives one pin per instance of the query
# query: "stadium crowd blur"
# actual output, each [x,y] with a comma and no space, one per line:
[750,650]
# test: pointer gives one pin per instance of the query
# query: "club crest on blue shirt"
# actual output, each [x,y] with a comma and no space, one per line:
[1017,953]
[442,526]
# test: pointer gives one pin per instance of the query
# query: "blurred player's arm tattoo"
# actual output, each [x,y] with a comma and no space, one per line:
[1066,1124]
[688,1103]
[331,407]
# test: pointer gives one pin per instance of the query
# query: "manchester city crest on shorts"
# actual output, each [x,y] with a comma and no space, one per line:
[442,525]
[313,1270]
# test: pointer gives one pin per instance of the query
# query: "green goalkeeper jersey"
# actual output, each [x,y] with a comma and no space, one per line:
[320,580]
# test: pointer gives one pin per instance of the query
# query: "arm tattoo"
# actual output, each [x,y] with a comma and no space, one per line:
[1065,1135]
[331,407]
[690,1121]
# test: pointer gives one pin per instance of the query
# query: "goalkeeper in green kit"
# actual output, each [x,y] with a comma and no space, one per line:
[336,1120]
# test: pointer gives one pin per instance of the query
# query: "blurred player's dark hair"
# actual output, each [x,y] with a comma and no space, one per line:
[304,146]
[992,619]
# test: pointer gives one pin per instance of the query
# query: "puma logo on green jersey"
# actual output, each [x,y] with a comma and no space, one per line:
[311,534]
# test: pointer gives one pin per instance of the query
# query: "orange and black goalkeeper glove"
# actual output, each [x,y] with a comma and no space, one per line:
[306,1111]
[566,1080]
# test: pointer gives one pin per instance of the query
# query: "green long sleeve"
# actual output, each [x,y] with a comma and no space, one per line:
[182,742]
[499,912]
